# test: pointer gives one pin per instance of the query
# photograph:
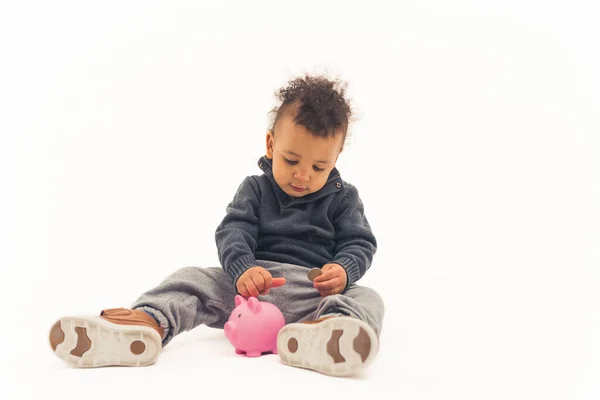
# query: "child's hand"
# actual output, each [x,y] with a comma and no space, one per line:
[332,281]
[257,280]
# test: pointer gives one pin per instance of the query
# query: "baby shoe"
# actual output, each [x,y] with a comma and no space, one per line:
[332,345]
[118,336]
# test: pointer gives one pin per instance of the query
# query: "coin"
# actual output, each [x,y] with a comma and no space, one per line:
[313,273]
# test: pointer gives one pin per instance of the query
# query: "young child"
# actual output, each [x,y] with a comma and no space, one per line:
[296,216]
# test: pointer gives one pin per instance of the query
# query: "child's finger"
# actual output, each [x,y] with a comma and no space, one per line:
[276,282]
[268,280]
[326,275]
[243,291]
[251,289]
[259,282]
[328,292]
[328,285]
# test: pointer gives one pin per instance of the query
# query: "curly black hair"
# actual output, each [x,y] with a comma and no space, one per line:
[316,102]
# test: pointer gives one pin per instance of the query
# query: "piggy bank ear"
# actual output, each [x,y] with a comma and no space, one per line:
[239,300]
[254,305]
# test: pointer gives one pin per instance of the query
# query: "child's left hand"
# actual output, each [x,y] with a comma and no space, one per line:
[332,281]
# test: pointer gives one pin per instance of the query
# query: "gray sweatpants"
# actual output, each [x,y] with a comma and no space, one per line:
[193,296]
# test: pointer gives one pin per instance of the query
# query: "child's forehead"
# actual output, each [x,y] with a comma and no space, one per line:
[299,141]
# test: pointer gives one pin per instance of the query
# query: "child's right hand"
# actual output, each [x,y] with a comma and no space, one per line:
[257,280]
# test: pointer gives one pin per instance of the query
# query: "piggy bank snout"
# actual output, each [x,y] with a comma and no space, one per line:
[229,329]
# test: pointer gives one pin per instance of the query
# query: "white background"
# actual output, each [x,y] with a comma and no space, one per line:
[125,129]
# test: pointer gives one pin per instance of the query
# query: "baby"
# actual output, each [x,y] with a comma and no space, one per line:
[295,217]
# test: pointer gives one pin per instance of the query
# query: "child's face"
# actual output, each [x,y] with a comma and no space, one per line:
[301,162]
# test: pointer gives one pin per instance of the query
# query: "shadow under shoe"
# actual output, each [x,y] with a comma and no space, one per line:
[117,337]
[338,346]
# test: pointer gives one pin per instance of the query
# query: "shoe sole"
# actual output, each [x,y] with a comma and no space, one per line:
[90,341]
[338,346]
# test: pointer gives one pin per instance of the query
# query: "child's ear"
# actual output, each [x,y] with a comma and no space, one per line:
[270,140]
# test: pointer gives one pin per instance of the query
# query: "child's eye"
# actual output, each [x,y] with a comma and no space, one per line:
[318,169]
[290,161]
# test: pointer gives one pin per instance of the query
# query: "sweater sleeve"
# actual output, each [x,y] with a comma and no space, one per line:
[237,234]
[355,243]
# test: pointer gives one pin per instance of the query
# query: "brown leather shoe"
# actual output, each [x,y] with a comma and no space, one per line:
[118,336]
[338,346]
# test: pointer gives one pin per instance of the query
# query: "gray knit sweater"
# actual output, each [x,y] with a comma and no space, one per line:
[262,222]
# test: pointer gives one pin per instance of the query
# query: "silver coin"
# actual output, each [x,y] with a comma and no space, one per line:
[313,273]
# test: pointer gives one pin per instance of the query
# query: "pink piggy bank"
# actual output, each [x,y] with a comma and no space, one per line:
[253,326]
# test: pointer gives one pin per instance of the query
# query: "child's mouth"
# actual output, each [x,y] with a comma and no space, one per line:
[297,189]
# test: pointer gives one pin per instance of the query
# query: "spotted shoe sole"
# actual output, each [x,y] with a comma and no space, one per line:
[338,346]
[91,341]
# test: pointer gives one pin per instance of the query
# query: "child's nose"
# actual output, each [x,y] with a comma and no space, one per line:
[302,175]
